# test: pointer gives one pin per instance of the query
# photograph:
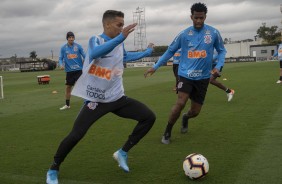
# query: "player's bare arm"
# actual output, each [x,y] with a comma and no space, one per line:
[215,72]
[149,72]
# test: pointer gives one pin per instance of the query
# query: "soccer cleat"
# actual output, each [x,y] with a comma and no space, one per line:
[65,107]
[230,95]
[52,177]
[279,82]
[165,140]
[121,157]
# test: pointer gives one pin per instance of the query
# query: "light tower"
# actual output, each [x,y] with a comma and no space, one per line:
[281,21]
[140,41]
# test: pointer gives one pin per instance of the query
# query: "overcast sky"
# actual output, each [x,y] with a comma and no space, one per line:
[41,25]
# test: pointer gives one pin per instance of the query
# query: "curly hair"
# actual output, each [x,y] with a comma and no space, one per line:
[199,7]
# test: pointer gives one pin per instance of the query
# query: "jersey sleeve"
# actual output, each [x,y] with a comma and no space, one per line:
[133,56]
[220,49]
[96,49]
[173,47]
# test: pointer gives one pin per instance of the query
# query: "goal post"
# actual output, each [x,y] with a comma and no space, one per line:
[1,88]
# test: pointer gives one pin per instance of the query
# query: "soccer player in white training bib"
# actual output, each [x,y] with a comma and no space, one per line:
[101,85]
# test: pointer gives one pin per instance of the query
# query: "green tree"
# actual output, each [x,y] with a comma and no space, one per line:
[270,35]
[14,58]
[33,55]
[160,49]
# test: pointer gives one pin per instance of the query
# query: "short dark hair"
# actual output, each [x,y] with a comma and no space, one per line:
[69,34]
[199,7]
[111,14]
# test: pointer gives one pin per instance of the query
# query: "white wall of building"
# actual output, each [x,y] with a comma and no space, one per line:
[239,49]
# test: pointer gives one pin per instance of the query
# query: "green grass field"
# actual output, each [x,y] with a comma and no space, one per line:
[241,139]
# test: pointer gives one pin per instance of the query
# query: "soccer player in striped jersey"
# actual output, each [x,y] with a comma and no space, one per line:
[197,44]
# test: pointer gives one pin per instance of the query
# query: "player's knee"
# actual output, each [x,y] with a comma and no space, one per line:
[148,118]
[180,104]
[151,118]
[212,80]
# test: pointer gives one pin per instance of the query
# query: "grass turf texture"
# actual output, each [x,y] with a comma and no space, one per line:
[241,139]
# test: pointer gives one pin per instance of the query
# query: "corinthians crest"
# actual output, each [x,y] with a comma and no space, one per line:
[92,105]
[208,39]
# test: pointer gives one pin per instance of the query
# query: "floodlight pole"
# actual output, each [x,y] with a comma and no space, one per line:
[140,41]
[281,21]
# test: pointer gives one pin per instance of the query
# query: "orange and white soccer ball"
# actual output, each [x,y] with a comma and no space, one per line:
[195,166]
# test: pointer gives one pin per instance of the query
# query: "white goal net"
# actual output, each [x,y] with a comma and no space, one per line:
[1,88]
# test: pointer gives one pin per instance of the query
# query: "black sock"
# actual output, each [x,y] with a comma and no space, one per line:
[227,90]
[168,130]
[280,78]
[68,102]
[55,166]
[127,146]
[185,120]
